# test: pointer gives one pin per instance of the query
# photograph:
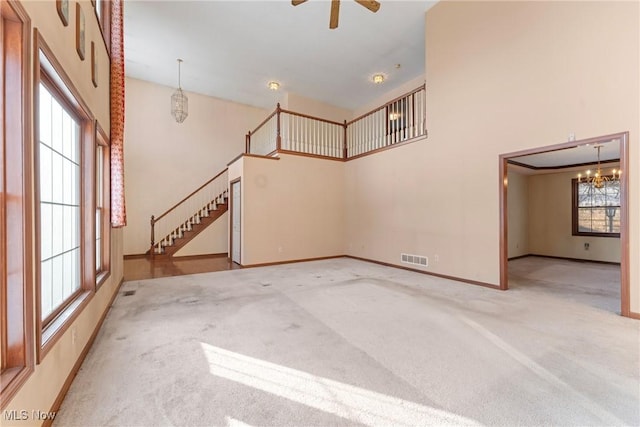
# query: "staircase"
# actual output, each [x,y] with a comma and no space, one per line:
[186,219]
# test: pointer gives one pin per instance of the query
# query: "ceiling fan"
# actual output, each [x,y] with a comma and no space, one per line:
[372,5]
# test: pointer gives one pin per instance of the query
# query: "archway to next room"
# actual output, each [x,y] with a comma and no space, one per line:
[564,221]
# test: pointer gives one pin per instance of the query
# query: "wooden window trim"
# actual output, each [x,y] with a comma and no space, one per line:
[574,216]
[16,302]
[103,139]
[47,70]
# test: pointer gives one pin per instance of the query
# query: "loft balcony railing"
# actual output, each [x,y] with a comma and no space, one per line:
[398,121]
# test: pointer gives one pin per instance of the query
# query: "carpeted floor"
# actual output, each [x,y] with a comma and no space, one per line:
[344,342]
[589,283]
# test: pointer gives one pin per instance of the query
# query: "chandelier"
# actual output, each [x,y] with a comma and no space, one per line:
[179,101]
[598,180]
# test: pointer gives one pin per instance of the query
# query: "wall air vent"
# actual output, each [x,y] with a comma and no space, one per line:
[422,261]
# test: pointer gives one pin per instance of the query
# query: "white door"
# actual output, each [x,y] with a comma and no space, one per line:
[235,222]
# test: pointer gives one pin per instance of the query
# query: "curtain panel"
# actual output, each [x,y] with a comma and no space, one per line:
[118,208]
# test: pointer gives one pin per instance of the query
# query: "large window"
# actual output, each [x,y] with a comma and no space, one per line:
[596,211]
[65,193]
[59,184]
[16,286]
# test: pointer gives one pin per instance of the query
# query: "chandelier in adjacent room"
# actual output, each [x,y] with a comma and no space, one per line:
[598,180]
[179,101]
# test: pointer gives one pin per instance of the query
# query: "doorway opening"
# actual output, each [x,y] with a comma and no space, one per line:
[569,217]
[235,222]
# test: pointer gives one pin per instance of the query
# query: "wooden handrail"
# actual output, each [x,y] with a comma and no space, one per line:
[278,111]
[347,123]
[423,87]
[264,121]
[306,116]
[186,198]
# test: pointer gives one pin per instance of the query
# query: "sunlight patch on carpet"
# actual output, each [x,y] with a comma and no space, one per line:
[343,400]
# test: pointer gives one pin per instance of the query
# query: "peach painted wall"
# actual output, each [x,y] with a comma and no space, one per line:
[292,209]
[165,160]
[550,227]
[518,213]
[312,107]
[501,77]
[42,387]
[213,240]
[61,40]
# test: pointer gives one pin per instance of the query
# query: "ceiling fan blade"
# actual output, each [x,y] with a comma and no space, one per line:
[372,5]
[297,2]
[335,12]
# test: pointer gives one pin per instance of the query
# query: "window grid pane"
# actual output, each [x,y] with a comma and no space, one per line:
[99,205]
[598,208]
[59,183]
[98,240]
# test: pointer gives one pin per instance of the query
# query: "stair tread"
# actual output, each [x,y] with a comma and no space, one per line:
[196,228]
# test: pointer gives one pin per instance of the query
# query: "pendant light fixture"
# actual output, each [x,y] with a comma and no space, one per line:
[179,101]
[598,180]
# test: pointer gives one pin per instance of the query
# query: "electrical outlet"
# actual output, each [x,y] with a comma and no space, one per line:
[74,335]
[279,249]
[572,137]
[436,258]
[586,246]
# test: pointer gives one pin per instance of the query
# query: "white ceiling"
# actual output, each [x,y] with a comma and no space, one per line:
[232,49]
[580,155]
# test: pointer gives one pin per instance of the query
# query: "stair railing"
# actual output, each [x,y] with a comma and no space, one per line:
[264,139]
[312,135]
[399,120]
[172,223]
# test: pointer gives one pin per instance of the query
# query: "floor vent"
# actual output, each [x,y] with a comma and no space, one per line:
[128,293]
[422,261]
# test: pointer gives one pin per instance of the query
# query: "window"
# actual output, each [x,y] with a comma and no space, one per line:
[99,206]
[102,192]
[65,190]
[59,184]
[16,286]
[596,211]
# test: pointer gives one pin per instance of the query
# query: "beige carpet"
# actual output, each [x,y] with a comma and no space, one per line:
[344,342]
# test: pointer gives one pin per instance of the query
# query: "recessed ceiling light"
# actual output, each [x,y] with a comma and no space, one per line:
[273,85]
[378,78]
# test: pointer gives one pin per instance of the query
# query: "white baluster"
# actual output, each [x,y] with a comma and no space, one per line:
[325,138]
[299,134]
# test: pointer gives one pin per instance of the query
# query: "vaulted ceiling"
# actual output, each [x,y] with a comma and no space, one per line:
[232,49]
